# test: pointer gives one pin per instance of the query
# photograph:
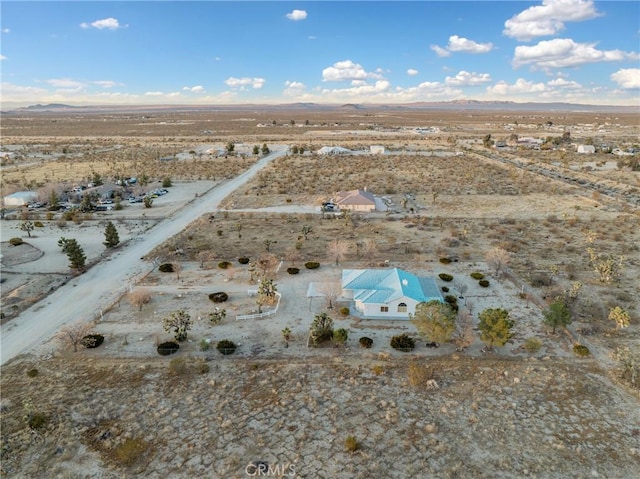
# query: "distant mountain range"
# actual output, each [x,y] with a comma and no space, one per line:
[455,105]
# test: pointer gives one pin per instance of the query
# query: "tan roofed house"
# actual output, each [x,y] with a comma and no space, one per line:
[355,200]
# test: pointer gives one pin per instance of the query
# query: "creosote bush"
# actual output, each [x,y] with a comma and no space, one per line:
[16,241]
[344,311]
[351,444]
[445,289]
[243,260]
[91,341]
[477,275]
[37,421]
[219,297]
[32,373]
[445,277]
[224,264]
[167,348]
[312,265]
[365,342]
[166,268]
[130,450]
[581,350]
[484,283]
[226,346]
[532,345]
[403,342]
[445,260]
[293,270]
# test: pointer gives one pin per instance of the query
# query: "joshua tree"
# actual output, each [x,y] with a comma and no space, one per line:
[620,316]
[27,226]
[306,231]
[321,328]
[286,335]
[266,293]
[180,322]
[217,315]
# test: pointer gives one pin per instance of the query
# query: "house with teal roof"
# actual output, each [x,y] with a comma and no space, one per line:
[387,293]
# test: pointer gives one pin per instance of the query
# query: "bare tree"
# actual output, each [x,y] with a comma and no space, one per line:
[177,269]
[331,291]
[497,259]
[72,335]
[463,335]
[204,257]
[139,298]
[267,264]
[292,255]
[338,250]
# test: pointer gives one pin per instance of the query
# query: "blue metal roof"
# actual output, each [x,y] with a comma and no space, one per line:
[385,285]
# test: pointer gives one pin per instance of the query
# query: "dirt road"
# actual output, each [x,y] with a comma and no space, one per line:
[82,298]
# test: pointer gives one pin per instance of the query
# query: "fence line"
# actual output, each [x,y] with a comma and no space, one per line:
[260,315]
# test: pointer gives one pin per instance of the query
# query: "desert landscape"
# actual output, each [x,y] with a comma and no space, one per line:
[467,196]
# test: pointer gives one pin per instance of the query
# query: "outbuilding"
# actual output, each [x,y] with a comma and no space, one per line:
[20,198]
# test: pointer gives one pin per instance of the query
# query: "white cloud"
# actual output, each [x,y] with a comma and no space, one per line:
[548,18]
[461,44]
[2,57]
[244,82]
[312,37]
[464,78]
[564,52]
[154,93]
[441,52]
[105,83]
[64,83]
[502,88]
[412,72]
[106,23]
[296,15]
[194,89]
[294,88]
[347,70]
[627,78]
[6,30]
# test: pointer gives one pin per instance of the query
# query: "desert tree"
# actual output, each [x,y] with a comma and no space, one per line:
[180,323]
[266,293]
[321,328]
[72,335]
[265,149]
[74,252]
[338,250]
[111,237]
[217,315]
[256,150]
[147,201]
[620,316]
[204,257]
[238,228]
[607,267]
[139,298]
[177,269]
[292,255]
[435,321]
[495,327]
[286,336]
[27,226]
[267,265]
[557,315]
[497,259]
[463,335]
[306,231]
[331,291]
[267,244]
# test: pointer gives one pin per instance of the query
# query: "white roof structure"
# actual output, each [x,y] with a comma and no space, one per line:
[20,198]
[333,150]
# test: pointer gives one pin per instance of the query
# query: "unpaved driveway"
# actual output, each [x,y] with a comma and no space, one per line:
[83,297]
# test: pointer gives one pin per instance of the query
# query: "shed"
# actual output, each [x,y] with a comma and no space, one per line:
[20,198]
[586,149]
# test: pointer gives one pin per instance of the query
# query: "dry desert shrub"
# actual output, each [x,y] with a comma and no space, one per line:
[139,298]
[420,375]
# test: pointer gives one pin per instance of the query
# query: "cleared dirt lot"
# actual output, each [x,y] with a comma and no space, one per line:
[123,410]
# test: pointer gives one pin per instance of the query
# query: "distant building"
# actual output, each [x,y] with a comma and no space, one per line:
[20,198]
[586,149]
[355,200]
[333,150]
[377,150]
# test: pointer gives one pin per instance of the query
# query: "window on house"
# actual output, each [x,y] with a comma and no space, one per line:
[384,309]
[402,308]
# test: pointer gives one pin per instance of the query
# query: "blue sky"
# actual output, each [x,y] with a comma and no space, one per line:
[208,52]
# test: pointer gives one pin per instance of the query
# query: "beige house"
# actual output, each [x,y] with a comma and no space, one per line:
[355,200]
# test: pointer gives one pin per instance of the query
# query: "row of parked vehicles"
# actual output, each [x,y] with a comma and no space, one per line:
[152,194]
